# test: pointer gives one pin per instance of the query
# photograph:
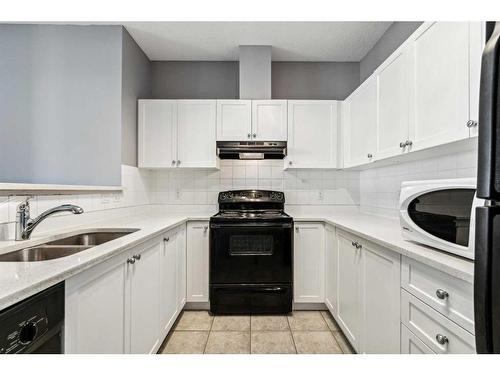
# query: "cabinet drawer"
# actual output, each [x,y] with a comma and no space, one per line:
[427,324]
[411,344]
[450,296]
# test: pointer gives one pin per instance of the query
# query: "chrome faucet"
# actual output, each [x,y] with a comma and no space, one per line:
[25,225]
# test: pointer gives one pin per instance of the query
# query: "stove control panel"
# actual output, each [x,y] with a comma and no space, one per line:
[251,196]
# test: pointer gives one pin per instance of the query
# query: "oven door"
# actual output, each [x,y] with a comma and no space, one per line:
[251,253]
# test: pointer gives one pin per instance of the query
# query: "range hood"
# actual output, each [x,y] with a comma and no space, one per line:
[251,150]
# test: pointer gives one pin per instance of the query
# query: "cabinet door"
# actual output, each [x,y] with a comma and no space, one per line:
[196,122]
[381,300]
[309,263]
[157,145]
[331,264]
[312,134]
[477,41]
[95,305]
[145,300]
[411,344]
[168,275]
[361,125]
[393,104]
[234,120]
[349,289]
[269,120]
[440,84]
[181,267]
[197,261]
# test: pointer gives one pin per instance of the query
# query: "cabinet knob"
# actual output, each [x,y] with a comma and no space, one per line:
[297,229]
[442,339]
[178,162]
[173,162]
[442,294]
[290,162]
[136,256]
[402,144]
[249,135]
[254,135]
[205,228]
[130,260]
[166,239]
[408,142]
[471,124]
[369,156]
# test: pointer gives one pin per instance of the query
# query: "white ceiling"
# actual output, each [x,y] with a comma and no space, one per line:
[291,41]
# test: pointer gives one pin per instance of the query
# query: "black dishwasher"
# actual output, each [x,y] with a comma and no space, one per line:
[34,325]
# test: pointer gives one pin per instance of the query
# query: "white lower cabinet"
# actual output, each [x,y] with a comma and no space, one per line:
[128,303]
[381,299]
[309,263]
[145,299]
[331,269]
[197,261]
[349,289]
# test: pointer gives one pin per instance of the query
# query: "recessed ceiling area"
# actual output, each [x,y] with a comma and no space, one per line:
[291,41]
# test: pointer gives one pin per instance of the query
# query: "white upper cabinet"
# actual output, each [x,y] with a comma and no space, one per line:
[477,42]
[360,127]
[312,134]
[440,84]
[196,133]
[234,120]
[177,133]
[157,133]
[269,120]
[309,263]
[393,79]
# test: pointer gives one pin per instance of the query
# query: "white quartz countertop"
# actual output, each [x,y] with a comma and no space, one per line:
[19,280]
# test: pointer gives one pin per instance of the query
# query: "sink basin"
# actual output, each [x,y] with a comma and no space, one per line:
[64,246]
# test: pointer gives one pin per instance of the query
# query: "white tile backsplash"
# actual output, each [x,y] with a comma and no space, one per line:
[137,187]
[380,187]
[319,187]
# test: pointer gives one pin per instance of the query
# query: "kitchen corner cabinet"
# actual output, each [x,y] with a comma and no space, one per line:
[177,133]
[309,263]
[128,303]
[360,127]
[197,261]
[312,134]
[368,295]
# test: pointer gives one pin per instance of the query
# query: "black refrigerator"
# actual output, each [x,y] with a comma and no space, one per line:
[487,244]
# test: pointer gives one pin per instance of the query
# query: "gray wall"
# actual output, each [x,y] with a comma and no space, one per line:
[195,79]
[395,35]
[60,104]
[255,72]
[220,80]
[136,83]
[314,80]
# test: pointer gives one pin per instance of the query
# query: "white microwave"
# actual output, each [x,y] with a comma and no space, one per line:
[440,214]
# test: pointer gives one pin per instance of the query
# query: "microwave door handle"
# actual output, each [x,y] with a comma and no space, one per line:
[489,102]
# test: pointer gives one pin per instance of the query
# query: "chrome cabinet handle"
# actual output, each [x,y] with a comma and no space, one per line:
[136,256]
[166,239]
[130,260]
[254,135]
[402,144]
[353,243]
[442,339]
[442,294]
[173,162]
[408,143]
[290,162]
[369,156]
[249,135]
[178,162]
[205,228]
[297,229]
[471,124]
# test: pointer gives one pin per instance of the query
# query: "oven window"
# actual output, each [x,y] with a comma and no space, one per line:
[251,244]
[444,214]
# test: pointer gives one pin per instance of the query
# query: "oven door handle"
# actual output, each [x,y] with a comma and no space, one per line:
[246,225]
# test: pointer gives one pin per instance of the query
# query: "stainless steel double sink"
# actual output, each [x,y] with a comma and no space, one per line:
[65,246]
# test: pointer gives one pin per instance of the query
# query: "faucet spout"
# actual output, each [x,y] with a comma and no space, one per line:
[25,225]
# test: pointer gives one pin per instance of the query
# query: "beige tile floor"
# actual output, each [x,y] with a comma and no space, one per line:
[302,332]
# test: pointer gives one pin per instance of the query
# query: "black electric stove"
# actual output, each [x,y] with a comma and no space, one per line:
[251,254]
